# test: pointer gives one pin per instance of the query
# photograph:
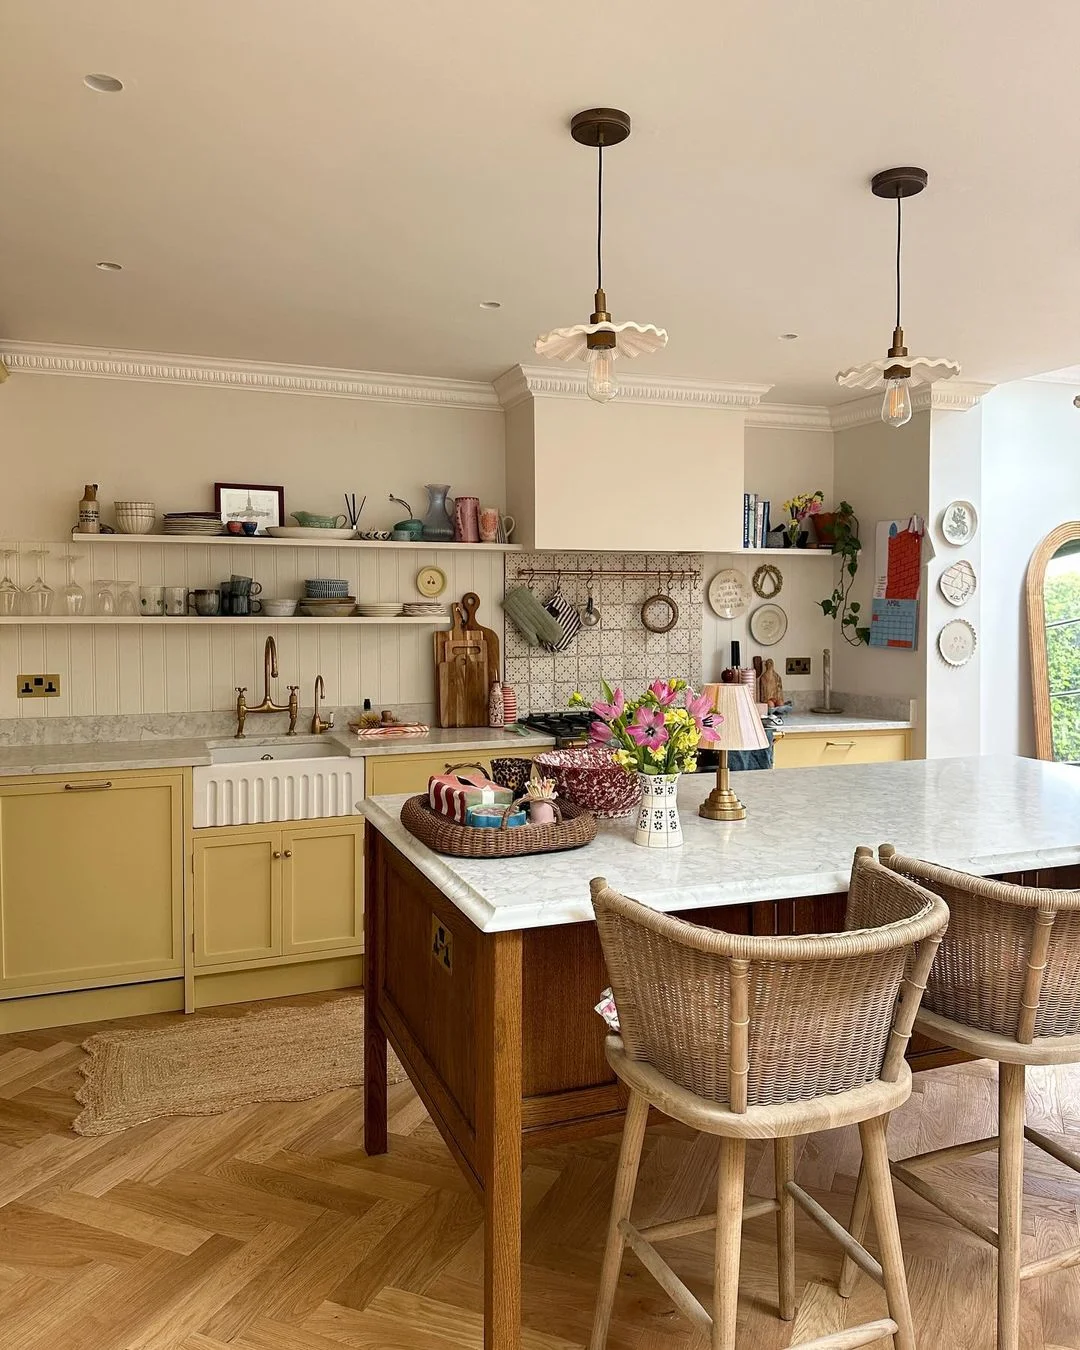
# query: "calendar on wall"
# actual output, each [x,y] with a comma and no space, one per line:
[894,615]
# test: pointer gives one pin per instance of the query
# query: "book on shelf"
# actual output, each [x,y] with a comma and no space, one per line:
[756,523]
[749,502]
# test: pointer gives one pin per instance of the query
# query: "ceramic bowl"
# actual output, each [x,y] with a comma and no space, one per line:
[279,608]
[588,777]
[328,609]
[135,517]
[326,588]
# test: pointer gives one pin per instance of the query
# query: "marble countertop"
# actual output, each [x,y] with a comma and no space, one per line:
[115,756]
[981,815]
[794,723]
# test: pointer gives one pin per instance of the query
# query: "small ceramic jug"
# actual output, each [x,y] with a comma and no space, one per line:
[466,520]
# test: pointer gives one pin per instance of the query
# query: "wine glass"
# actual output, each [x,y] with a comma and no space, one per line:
[38,596]
[9,592]
[104,599]
[126,604]
[74,595]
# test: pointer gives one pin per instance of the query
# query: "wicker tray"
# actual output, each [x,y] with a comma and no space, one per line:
[576,828]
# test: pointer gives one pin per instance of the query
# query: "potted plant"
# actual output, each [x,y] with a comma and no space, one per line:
[846,545]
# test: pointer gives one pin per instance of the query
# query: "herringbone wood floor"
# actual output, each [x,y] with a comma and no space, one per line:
[270,1228]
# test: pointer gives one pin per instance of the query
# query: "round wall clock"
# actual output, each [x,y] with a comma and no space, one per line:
[958,583]
[956,642]
[728,594]
[959,523]
[768,624]
[431,581]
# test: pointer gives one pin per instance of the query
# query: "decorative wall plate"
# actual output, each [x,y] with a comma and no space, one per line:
[956,642]
[768,624]
[768,581]
[728,594]
[958,583]
[959,523]
[431,581]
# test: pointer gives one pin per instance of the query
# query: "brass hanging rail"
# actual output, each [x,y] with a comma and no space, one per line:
[662,575]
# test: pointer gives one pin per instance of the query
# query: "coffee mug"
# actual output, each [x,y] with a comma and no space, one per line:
[151,600]
[206,603]
[176,600]
[489,524]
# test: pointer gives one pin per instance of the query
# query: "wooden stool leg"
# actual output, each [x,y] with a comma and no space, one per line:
[784,1166]
[729,1211]
[637,1114]
[860,1212]
[883,1202]
[1011,1112]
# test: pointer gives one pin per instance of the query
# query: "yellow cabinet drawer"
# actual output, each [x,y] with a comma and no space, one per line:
[798,750]
[386,775]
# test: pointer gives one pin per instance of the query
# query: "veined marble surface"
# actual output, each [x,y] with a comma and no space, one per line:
[815,723]
[114,756]
[982,815]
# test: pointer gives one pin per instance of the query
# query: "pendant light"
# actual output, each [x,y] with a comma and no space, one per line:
[899,372]
[600,342]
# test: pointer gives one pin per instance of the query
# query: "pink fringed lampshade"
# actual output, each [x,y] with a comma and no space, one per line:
[741,728]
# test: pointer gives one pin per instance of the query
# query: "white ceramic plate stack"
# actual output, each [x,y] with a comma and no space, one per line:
[193,522]
[370,609]
[424,610]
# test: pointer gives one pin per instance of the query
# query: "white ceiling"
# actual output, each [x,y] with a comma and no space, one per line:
[341,183]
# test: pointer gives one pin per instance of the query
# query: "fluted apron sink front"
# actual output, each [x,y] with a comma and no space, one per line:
[254,784]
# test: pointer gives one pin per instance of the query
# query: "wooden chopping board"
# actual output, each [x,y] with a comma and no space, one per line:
[461,676]
[470,603]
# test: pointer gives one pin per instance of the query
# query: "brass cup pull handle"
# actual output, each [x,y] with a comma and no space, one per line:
[88,787]
[843,745]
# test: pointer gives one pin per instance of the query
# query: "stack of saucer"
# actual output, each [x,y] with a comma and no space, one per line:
[370,609]
[425,609]
[193,522]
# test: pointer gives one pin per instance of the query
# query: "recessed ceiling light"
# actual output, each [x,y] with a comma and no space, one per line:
[103,84]
[491,304]
[110,266]
[788,337]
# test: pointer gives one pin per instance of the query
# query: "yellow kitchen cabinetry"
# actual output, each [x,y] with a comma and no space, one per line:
[270,894]
[386,775]
[91,880]
[800,749]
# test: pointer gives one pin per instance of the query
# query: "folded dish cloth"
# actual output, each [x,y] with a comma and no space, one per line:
[531,619]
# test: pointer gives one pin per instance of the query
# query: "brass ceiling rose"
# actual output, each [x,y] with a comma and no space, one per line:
[600,126]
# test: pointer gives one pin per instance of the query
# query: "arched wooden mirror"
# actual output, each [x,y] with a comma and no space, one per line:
[1053,606]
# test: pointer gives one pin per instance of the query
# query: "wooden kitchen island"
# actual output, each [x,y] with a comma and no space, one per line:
[483,974]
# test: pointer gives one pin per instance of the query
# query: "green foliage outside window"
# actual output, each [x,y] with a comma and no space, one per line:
[1062,605]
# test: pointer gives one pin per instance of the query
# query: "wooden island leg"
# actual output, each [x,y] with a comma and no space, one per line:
[375,1113]
[498,1069]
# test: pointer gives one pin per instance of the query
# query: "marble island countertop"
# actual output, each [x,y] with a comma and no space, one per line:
[984,815]
[191,752]
[807,722]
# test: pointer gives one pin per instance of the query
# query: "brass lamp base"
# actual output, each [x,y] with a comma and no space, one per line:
[722,803]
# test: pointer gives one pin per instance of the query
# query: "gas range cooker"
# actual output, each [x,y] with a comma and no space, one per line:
[570,727]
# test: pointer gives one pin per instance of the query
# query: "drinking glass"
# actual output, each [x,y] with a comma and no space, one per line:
[126,603]
[9,592]
[104,599]
[38,596]
[74,595]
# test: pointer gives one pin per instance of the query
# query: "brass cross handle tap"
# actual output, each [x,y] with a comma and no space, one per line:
[241,710]
[294,708]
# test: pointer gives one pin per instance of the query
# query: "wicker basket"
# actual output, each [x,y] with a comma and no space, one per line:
[574,829]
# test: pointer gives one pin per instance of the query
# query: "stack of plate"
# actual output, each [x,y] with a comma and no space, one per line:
[341,607]
[193,522]
[326,588]
[372,610]
[425,609]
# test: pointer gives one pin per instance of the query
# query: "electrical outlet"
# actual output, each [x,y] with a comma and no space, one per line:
[797,665]
[38,686]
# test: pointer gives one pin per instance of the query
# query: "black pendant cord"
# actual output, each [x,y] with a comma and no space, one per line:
[600,216]
[899,200]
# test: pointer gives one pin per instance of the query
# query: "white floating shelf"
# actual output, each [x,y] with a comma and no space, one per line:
[786,552]
[117,620]
[263,541]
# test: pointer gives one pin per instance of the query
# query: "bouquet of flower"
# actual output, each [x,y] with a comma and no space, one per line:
[803,504]
[653,734]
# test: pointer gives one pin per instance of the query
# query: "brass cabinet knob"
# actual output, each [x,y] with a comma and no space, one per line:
[277,855]
[288,853]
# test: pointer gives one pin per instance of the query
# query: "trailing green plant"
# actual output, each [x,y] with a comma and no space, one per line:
[846,546]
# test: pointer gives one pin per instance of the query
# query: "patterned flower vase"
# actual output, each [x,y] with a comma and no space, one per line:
[658,823]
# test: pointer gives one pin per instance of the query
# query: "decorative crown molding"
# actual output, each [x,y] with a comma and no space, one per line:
[44,358]
[949,396]
[790,417]
[521,382]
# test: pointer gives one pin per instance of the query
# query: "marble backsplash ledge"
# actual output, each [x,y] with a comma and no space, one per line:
[619,649]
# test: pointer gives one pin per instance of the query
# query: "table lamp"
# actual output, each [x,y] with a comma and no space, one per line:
[741,729]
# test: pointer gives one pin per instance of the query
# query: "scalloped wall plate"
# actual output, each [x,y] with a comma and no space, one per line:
[957,642]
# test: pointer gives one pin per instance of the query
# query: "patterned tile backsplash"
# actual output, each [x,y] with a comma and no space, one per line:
[619,649]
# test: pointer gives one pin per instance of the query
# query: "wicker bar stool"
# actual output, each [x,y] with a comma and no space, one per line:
[766,1038]
[1006,987]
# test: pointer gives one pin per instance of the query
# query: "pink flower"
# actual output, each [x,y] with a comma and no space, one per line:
[707,721]
[599,733]
[664,691]
[609,711]
[648,728]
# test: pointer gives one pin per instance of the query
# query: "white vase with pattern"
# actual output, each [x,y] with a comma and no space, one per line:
[658,824]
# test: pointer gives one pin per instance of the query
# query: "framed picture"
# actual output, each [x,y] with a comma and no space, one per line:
[250,501]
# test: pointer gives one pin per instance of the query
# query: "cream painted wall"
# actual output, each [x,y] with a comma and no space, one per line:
[778,462]
[170,443]
[1030,483]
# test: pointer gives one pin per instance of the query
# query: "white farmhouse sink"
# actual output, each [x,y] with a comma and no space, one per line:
[259,783]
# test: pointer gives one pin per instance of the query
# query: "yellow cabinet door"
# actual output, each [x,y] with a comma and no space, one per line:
[237,896]
[91,880]
[798,750]
[386,775]
[322,892]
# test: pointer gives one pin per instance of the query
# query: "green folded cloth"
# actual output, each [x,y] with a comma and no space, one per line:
[531,619]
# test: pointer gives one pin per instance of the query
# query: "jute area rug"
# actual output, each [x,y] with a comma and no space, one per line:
[206,1065]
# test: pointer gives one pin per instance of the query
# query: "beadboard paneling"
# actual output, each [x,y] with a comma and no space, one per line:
[195,668]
